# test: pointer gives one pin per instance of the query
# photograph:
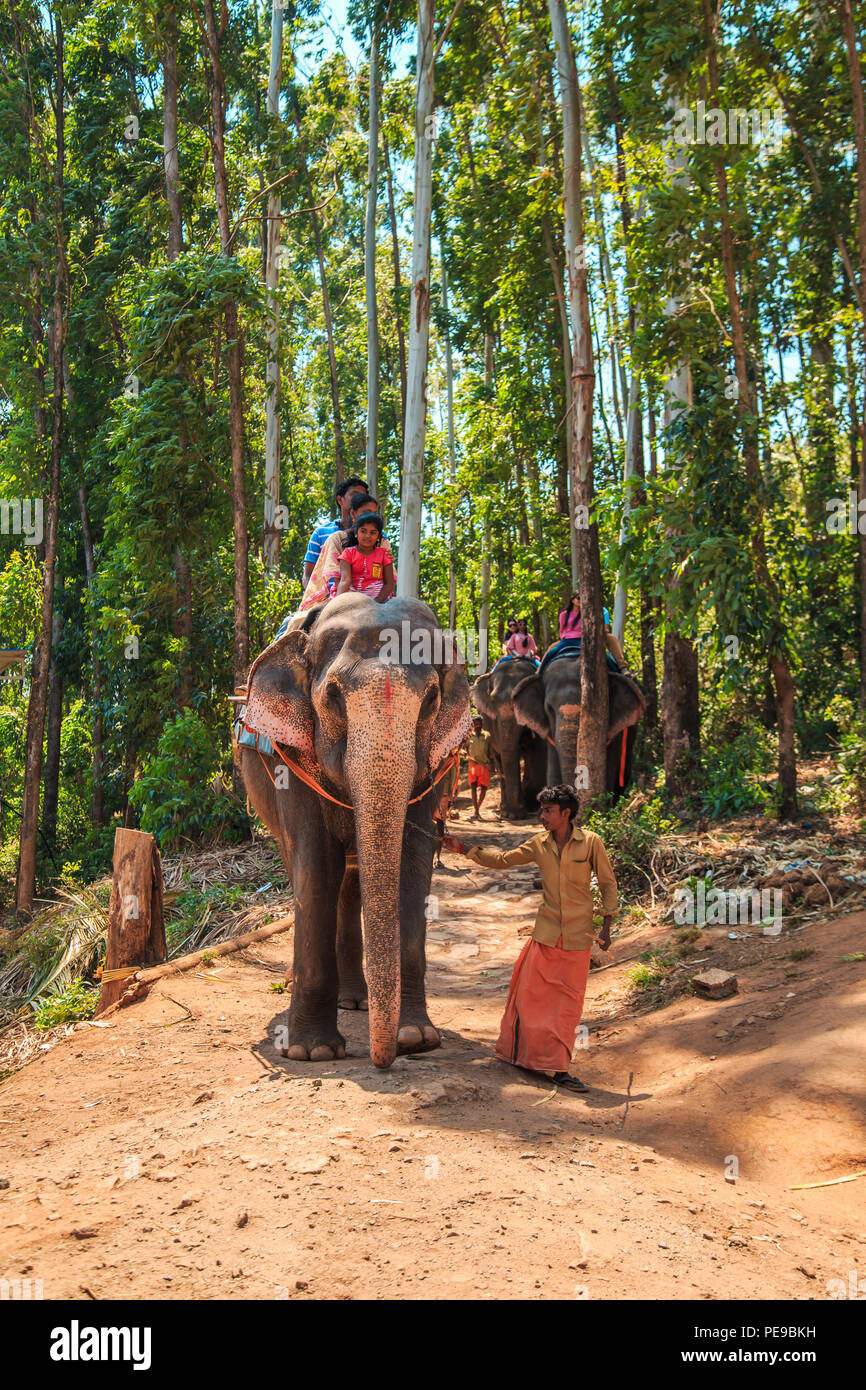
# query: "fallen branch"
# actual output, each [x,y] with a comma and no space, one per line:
[139,981]
[804,1186]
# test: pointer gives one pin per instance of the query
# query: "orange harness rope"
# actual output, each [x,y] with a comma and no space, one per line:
[622,759]
[316,786]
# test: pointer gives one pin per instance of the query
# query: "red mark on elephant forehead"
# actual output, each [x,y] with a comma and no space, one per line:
[387,687]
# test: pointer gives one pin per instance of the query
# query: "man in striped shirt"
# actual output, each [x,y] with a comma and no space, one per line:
[346,492]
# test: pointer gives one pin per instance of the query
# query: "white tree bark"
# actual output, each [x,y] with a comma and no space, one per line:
[592,731]
[452,455]
[419,313]
[678,387]
[370,269]
[633,469]
[272,275]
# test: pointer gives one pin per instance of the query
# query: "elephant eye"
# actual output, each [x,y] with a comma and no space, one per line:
[334,697]
[430,702]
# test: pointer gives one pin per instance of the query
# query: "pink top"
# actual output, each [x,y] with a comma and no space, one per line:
[570,623]
[521,644]
[368,571]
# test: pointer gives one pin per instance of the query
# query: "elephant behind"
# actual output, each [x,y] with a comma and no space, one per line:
[521,753]
[365,722]
[548,702]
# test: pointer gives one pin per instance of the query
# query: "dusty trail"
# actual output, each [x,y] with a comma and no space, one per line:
[174,1154]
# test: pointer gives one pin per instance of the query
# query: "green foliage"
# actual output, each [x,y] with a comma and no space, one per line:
[174,797]
[148,638]
[630,831]
[74,1002]
[732,776]
[852,760]
[649,976]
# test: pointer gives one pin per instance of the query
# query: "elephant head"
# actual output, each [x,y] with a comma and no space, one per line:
[491,695]
[549,704]
[371,700]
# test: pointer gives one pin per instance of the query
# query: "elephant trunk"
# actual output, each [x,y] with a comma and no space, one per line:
[567,727]
[380,768]
[509,757]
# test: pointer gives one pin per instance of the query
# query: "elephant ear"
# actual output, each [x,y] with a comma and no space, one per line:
[278,703]
[627,704]
[481,699]
[453,721]
[527,701]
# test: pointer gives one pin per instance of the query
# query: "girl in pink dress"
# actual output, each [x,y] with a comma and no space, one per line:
[521,642]
[365,565]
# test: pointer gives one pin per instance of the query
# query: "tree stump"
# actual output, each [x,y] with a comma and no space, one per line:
[136,925]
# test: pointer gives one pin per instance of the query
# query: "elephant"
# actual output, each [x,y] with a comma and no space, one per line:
[360,729]
[514,744]
[548,702]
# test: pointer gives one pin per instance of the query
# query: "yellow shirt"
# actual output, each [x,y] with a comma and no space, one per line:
[478,748]
[566,907]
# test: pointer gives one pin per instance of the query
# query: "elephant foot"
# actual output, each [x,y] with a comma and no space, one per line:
[314,1048]
[353,997]
[414,1037]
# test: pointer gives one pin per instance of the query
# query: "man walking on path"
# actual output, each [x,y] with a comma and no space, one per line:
[545,1000]
[478,749]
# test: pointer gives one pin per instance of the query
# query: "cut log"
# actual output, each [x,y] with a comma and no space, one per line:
[136,925]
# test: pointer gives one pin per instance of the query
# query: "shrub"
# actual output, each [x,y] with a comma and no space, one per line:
[852,760]
[629,832]
[76,1001]
[174,796]
[731,775]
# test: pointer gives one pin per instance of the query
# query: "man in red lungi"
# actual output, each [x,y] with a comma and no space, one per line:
[545,999]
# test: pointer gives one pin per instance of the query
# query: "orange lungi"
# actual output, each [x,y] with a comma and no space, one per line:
[544,1005]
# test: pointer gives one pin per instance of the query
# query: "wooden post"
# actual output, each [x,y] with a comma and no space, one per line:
[136,926]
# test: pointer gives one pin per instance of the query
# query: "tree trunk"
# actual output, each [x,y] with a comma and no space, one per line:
[51,780]
[372,434]
[648,678]
[592,735]
[680,711]
[182,615]
[339,444]
[96,730]
[272,276]
[556,276]
[679,694]
[398,292]
[182,626]
[169,140]
[136,926]
[779,664]
[633,469]
[233,363]
[484,610]
[419,312]
[26,878]
[452,453]
[859,110]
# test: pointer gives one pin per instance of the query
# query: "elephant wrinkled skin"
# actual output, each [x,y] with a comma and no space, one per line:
[514,744]
[369,731]
[549,704]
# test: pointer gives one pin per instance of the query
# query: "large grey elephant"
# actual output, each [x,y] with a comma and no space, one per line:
[548,702]
[366,720]
[522,754]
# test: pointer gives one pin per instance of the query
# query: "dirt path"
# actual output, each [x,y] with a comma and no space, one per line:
[172,1152]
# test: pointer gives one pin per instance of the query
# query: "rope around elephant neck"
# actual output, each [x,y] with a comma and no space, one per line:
[317,787]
